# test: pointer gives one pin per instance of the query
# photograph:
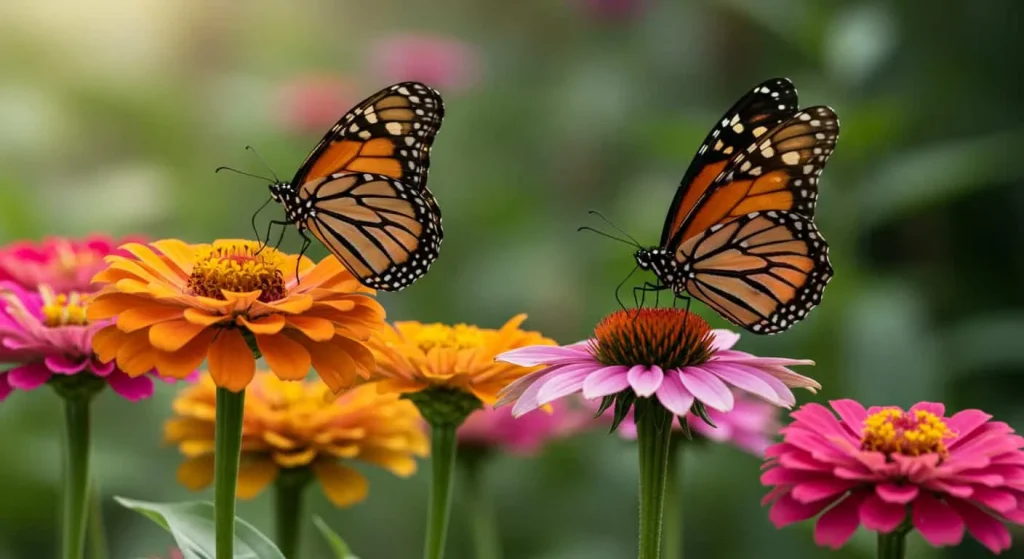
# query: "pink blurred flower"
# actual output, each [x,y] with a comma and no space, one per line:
[670,354]
[750,425]
[311,104]
[613,9]
[63,264]
[46,334]
[881,467]
[497,428]
[441,62]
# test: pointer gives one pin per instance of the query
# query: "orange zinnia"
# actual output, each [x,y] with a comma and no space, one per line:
[178,304]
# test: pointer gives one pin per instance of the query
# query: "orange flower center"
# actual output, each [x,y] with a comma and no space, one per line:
[239,268]
[62,309]
[668,338]
[914,433]
[460,336]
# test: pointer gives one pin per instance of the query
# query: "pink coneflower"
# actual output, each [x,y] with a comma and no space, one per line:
[311,104]
[489,428]
[668,354]
[47,335]
[62,264]
[441,62]
[892,471]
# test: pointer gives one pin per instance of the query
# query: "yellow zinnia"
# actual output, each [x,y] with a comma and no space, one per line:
[178,304]
[292,426]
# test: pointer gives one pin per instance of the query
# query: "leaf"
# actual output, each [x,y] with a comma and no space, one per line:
[192,526]
[338,545]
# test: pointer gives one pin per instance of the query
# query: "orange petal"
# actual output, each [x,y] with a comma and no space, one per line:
[186,428]
[342,485]
[240,302]
[231,363]
[334,366]
[173,335]
[269,324]
[295,459]
[287,358]
[197,316]
[180,364]
[139,317]
[196,473]
[326,270]
[293,304]
[110,304]
[316,329]
[396,462]
[400,386]
[106,342]
[134,355]
[358,351]
[254,474]
[180,253]
[156,263]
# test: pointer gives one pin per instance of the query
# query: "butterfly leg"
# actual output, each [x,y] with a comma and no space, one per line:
[305,245]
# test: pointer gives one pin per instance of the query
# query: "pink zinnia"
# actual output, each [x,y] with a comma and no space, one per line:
[668,354]
[62,264]
[497,429]
[311,104]
[47,334]
[883,467]
[441,62]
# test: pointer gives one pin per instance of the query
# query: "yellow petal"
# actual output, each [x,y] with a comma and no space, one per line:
[342,485]
[196,473]
[254,474]
[295,459]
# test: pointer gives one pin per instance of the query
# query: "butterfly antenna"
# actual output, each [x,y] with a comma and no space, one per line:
[222,168]
[617,228]
[264,162]
[603,234]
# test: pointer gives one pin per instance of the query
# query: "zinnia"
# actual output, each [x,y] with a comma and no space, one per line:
[300,426]
[62,264]
[178,304]
[891,470]
[496,429]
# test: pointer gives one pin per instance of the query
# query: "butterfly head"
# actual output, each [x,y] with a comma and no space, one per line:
[651,259]
[280,191]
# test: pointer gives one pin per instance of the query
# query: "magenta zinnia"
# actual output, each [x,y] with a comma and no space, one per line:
[889,470]
[668,354]
[62,264]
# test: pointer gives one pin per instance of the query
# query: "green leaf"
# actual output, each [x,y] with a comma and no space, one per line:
[191,524]
[338,545]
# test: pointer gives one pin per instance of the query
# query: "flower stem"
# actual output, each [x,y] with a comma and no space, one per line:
[97,532]
[442,463]
[228,450]
[289,492]
[654,435]
[486,541]
[673,542]
[893,545]
[76,475]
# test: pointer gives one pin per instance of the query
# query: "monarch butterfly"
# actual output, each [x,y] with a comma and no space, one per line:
[362,191]
[740,233]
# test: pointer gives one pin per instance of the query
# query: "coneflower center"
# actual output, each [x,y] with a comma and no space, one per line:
[913,433]
[668,338]
[239,268]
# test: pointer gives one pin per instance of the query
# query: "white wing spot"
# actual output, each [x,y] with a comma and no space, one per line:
[791,158]
[394,127]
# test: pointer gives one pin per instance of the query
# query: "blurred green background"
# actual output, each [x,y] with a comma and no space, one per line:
[114,113]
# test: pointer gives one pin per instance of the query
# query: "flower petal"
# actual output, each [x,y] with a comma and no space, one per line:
[565,381]
[66,365]
[897,494]
[939,524]
[254,474]
[839,523]
[342,485]
[141,316]
[787,510]
[196,473]
[515,389]
[231,363]
[314,328]
[814,490]
[196,316]
[723,339]
[173,335]
[5,387]
[673,395]
[132,389]
[182,363]
[989,531]
[266,325]
[605,381]
[28,377]
[287,358]
[707,388]
[745,379]
[881,516]
[531,356]
[645,380]
[852,413]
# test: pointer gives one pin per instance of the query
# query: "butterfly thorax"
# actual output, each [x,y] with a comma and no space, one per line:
[669,271]
[295,209]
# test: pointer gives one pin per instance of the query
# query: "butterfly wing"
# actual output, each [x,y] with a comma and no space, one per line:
[763,271]
[384,231]
[389,133]
[760,110]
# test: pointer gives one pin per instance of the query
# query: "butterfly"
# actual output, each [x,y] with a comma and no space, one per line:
[362,191]
[740,233]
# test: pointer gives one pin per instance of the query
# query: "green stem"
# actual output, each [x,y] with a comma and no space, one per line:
[486,541]
[893,545]
[673,532]
[76,475]
[97,532]
[442,462]
[228,450]
[289,492]
[654,435]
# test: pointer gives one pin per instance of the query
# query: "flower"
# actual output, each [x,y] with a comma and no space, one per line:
[291,426]
[883,467]
[412,357]
[177,304]
[63,264]
[668,353]
[441,62]
[48,335]
[313,103]
[496,428]
[750,425]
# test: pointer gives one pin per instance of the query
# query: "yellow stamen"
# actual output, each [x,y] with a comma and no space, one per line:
[62,309]
[914,433]
[460,336]
[240,268]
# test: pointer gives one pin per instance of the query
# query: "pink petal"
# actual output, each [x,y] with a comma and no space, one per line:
[527,399]
[786,510]
[707,388]
[515,390]
[101,369]
[564,382]
[934,408]
[748,359]
[964,424]
[132,389]
[989,531]
[531,356]
[645,381]
[5,387]
[851,413]
[744,379]
[938,523]
[605,381]
[673,395]
[29,377]
[65,365]
[811,491]
[723,339]
[897,494]
[881,516]
[839,523]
